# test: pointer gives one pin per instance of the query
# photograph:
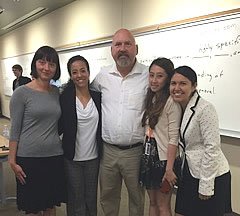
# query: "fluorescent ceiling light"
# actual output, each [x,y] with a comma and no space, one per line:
[24,18]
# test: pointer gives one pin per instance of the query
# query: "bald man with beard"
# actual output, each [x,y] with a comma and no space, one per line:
[123,86]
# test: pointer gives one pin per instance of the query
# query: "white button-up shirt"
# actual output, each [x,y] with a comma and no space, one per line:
[122,103]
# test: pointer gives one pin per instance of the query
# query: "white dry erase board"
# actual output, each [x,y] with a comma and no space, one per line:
[209,44]
[8,76]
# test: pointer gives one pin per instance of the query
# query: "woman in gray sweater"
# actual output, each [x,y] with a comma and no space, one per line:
[36,154]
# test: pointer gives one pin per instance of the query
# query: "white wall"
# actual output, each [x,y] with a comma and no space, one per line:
[85,20]
[139,13]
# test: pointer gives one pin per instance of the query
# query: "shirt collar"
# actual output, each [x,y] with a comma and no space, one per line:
[193,101]
[135,70]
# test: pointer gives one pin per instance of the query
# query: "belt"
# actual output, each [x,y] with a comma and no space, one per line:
[125,147]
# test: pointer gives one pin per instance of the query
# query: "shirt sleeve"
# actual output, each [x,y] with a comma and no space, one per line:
[17,107]
[174,119]
[95,84]
[211,139]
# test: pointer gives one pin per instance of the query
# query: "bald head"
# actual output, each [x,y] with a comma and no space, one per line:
[125,32]
[124,49]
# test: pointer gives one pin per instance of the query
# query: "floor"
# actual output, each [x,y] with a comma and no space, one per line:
[10,209]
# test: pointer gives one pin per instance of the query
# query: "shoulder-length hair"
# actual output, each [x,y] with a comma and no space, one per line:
[49,54]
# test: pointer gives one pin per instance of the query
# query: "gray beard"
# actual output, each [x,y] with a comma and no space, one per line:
[124,61]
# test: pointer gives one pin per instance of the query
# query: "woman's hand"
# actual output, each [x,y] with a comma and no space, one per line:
[170,177]
[20,175]
[203,197]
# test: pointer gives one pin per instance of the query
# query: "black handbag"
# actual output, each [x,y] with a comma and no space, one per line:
[179,163]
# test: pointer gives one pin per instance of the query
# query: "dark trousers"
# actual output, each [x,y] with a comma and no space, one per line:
[82,181]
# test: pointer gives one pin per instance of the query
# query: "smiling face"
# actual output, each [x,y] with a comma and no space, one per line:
[157,78]
[45,69]
[181,89]
[80,74]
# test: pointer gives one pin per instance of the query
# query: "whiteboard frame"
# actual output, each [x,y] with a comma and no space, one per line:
[106,41]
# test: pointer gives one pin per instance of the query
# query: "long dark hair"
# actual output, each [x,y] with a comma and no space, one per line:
[153,109]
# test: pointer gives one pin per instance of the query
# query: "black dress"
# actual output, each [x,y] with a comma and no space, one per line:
[152,169]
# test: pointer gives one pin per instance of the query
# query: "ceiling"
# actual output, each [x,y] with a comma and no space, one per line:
[14,10]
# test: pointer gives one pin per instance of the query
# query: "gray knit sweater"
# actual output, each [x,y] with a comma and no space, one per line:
[34,121]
